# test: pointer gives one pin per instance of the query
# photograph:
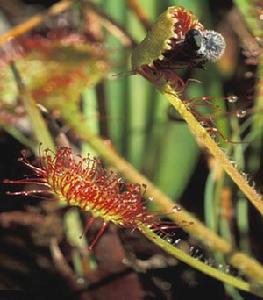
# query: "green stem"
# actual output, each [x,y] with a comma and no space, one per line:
[248,265]
[203,136]
[39,127]
[195,263]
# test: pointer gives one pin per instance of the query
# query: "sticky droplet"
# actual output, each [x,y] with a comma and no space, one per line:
[177,208]
[232,99]
[80,280]
[227,269]
[191,250]
[241,113]
[169,240]
[176,242]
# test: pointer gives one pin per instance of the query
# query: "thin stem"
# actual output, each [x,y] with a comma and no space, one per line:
[193,262]
[203,136]
[35,21]
[248,265]
[39,127]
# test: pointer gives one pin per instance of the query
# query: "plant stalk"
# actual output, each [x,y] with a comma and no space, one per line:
[246,264]
[205,139]
[193,262]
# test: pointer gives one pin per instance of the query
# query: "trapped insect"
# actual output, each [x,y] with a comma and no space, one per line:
[177,40]
[204,46]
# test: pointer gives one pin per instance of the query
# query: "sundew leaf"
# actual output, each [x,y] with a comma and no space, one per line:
[55,75]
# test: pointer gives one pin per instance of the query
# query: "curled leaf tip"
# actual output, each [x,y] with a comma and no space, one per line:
[168,31]
[176,40]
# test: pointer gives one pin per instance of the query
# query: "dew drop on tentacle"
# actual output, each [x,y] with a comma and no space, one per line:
[81,281]
[183,245]
[220,267]
[241,113]
[177,242]
[196,252]
[232,99]
[176,208]
[227,269]
[191,250]
[244,174]
[169,239]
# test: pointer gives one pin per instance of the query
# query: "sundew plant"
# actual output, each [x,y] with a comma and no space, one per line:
[131,142]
